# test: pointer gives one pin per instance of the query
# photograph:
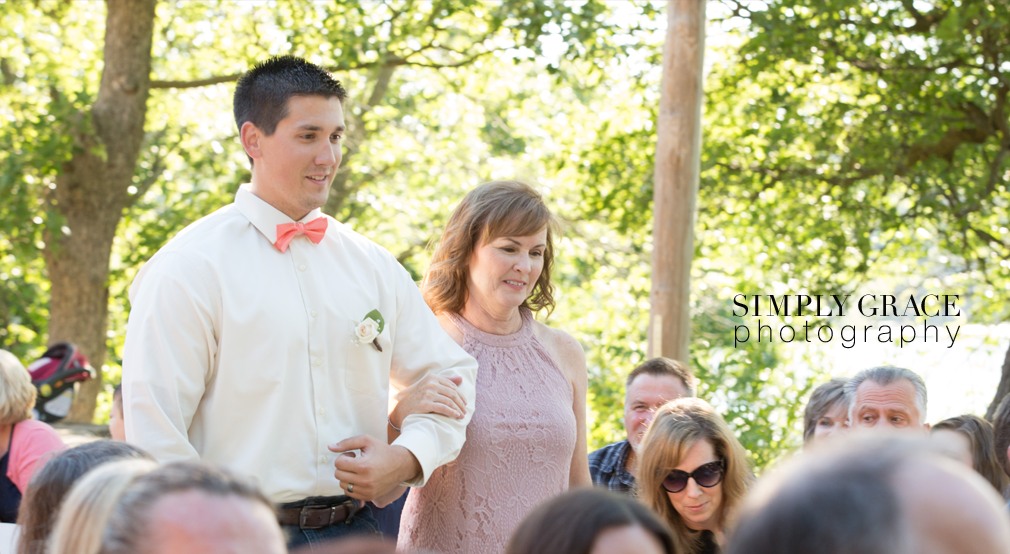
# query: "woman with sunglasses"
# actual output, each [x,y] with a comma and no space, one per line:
[693,473]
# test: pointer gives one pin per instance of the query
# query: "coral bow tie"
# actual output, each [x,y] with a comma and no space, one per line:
[314,230]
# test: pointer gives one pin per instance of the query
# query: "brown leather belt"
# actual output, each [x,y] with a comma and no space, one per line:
[318,511]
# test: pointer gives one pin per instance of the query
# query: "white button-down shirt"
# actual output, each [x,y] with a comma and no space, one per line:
[243,356]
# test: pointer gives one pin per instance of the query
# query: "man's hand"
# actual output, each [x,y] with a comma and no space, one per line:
[379,469]
[433,394]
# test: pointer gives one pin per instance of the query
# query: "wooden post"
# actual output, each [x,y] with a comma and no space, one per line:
[678,160]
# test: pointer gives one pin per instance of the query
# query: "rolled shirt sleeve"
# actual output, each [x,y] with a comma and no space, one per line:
[423,347]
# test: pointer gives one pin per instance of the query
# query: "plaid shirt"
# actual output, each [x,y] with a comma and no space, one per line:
[606,466]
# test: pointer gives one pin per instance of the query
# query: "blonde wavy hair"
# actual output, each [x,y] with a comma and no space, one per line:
[677,426]
[17,393]
[492,210]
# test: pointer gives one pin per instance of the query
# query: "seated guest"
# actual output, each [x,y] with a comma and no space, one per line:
[648,387]
[693,473]
[971,438]
[117,426]
[23,441]
[50,484]
[887,397]
[826,412]
[192,507]
[89,506]
[1001,438]
[872,495]
[591,521]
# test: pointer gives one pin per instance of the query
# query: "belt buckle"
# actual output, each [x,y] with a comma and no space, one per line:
[303,514]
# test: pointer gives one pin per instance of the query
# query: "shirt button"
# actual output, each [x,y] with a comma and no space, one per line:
[314,314]
[302,267]
[321,411]
[322,459]
[318,362]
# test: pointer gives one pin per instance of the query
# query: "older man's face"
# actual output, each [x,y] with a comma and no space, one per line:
[886,406]
[644,396]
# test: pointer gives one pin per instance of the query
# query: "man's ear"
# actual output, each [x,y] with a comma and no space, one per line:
[251,137]
[1008,452]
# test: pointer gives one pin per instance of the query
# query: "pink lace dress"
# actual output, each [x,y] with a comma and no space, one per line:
[517,454]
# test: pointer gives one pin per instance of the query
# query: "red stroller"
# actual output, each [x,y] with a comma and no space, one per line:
[54,375]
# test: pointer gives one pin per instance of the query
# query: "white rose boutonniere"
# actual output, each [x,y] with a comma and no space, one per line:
[368,329]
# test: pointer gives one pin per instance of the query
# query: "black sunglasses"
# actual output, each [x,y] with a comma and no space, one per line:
[707,475]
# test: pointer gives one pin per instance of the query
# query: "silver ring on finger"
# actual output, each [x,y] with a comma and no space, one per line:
[350,487]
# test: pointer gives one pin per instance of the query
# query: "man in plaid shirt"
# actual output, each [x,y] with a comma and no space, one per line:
[649,386]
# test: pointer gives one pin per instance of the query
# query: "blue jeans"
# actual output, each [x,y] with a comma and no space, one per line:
[363,523]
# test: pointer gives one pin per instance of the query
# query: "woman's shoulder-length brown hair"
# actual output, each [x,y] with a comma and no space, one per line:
[984,453]
[677,426]
[494,209]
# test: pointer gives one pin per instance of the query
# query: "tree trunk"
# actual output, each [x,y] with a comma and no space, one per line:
[1002,390]
[342,186]
[678,160]
[91,192]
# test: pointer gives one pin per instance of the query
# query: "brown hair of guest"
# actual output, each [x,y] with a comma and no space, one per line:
[984,455]
[1001,433]
[50,484]
[492,210]
[677,426]
[571,522]
[824,397]
[660,367]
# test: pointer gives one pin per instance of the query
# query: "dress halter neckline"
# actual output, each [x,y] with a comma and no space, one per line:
[470,330]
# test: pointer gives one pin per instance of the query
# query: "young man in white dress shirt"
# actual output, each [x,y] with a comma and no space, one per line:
[264,336]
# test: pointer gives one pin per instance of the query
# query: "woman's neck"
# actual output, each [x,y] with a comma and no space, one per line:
[505,321]
[5,437]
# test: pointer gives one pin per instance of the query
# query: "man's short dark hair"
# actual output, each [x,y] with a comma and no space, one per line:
[668,367]
[1001,432]
[262,94]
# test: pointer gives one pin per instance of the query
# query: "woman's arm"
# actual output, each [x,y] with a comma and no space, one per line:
[571,359]
[433,394]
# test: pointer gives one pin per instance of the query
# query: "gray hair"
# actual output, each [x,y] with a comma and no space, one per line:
[127,531]
[885,375]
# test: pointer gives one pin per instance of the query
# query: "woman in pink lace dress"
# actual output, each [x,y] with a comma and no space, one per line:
[526,441]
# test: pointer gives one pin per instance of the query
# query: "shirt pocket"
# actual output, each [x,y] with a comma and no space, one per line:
[367,369]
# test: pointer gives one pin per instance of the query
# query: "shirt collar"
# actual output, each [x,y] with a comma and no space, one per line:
[617,457]
[263,216]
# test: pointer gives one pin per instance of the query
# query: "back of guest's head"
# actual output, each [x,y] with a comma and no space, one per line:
[886,375]
[490,211]
[117,425]
[17,393]
[677,427]
[352,545]
[262,94]
[879,494]
[984,457]
[573,522]
[209,494]
[825,398]
[87,509]
[49,485]
[1001,433]
[665,367]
